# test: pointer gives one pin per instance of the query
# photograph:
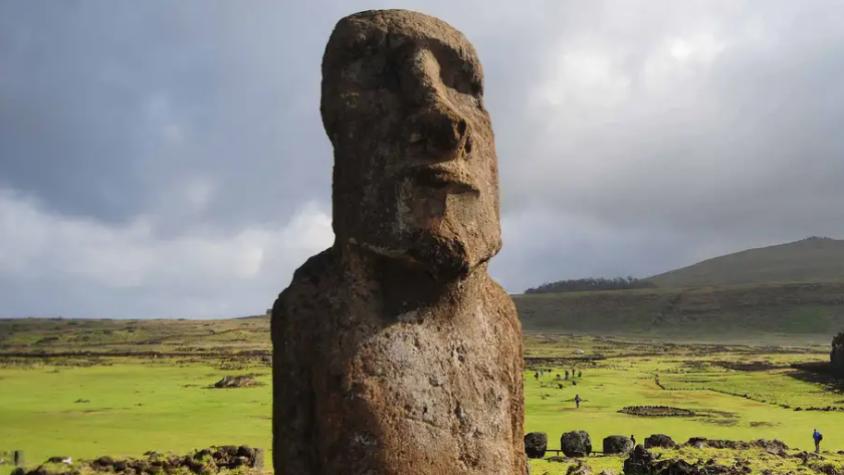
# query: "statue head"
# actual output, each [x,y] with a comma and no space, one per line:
[415,170]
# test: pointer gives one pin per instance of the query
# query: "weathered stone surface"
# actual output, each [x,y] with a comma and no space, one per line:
[617,444]
[659,440]
[772,446]
[642,462]
[243,459]
[639,462]
[536,443]
[576,444]
[394,351]
[836,356]
[579,468]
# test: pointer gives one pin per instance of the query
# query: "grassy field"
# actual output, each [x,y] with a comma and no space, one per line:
[729,403]
[127,407]
[97,403]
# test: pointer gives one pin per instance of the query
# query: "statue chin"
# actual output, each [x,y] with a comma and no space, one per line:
[445,259]
[441,258]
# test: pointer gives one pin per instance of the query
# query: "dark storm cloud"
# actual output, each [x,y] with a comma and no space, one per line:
[161,158]
[113,109]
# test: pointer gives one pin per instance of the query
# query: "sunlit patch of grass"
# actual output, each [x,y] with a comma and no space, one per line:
[138,404]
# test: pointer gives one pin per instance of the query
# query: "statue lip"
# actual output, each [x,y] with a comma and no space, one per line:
[443,176]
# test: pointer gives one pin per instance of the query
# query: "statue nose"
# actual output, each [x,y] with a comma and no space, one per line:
[442,130]
[435,120]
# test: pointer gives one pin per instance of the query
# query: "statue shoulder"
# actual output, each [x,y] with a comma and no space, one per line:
[317,269]
[310,281]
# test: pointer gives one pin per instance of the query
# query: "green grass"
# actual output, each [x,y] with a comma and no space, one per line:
[694,379]
[631,382]
[133,406]
[124,406]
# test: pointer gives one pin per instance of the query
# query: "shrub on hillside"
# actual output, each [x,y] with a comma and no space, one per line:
[579,285]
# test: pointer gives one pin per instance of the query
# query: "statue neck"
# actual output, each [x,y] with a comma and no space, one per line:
[403,286]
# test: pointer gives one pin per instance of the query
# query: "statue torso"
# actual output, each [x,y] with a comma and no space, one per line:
[428,390]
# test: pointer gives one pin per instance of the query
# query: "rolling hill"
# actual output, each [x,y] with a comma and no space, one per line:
[795,313]
[813,259]
[788,292]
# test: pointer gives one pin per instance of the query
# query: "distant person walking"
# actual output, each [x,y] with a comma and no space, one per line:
[818,437]
[633,439]
[577,400]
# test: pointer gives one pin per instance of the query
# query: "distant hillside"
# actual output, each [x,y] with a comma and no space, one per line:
[809,260]
[791,313]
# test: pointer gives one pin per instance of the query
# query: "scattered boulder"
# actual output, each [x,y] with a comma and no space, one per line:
[617,444]
[697,442]
[49,468]
[772,446]
[203,462]
[639,462]
[241,381]
[536,443]
[579,468]
[576,444]
[805,457]
[103,462]
[660,440]
[642,462]
[826,468]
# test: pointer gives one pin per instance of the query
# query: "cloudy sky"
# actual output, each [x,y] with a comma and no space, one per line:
[167,158]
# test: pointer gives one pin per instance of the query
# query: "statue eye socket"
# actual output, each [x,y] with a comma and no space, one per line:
[476,87]
[390,76]
[460,76]
[463,82]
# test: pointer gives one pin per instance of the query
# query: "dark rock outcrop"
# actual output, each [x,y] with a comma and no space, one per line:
[660,440]
[772,446]
[241,381]
[639,462]
[576,444]
[836,356]
[617,444]
[204,462]
[642,462]
[579,468]
[536,443]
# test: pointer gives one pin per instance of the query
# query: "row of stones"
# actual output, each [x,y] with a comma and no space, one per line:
[579,444]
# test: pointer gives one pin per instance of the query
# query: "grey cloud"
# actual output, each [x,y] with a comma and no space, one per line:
[633,136]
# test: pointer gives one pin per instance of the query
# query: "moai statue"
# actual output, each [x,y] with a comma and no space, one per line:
[836,356]
[394,351]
